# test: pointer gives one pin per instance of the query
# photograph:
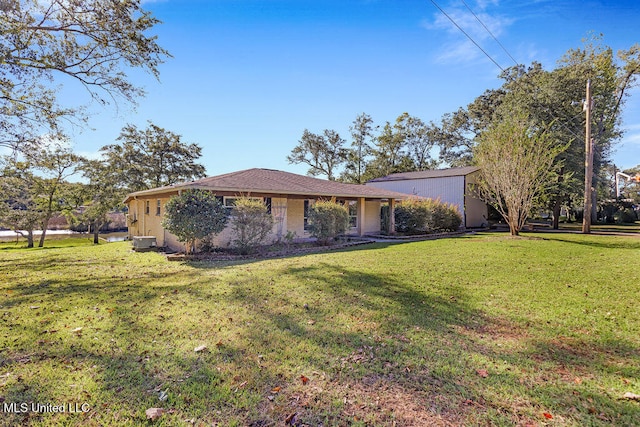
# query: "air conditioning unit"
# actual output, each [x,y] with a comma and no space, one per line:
[144,243]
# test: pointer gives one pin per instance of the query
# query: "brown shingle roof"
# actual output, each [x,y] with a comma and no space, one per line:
[276,182]
[438,173]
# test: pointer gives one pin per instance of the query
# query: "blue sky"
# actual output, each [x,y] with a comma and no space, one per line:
[248,76]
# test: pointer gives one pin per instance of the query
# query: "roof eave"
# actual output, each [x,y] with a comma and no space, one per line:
[161,190]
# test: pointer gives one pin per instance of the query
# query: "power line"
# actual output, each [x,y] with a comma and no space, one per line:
[490,33]
[489,56]
[465,33]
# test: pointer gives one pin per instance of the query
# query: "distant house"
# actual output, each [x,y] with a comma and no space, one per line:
[454,185]
[287,196]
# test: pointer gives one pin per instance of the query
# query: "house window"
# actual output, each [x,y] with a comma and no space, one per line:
[352,205]
[158,207]
[147,207]
[307,203]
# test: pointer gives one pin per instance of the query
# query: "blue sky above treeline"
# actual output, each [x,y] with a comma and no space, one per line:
[248,76]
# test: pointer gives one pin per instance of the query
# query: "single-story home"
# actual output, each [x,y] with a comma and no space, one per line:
[286,195]
[453,185]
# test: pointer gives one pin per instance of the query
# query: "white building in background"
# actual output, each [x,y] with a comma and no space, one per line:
[454,185]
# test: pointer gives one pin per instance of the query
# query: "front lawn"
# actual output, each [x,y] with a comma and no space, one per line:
[479,330]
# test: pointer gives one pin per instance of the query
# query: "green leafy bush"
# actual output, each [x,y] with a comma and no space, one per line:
[414,216]
[445,216]
[327,220]
[193,215]
[251,223]
[625,216]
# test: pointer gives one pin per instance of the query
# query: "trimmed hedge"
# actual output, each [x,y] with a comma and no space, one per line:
[417,216]
[327,220]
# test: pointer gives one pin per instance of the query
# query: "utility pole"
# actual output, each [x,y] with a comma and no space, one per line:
[588,164]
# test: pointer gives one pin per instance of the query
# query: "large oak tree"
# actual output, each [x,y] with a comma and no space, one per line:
[153,157]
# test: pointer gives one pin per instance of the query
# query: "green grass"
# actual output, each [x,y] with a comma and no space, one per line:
[482,330]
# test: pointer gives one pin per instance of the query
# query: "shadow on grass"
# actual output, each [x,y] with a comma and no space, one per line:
[378,345]
[613,242]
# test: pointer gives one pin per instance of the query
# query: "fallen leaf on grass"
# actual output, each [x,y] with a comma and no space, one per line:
[219,344]
[547,415]
[200,348]
[291,419]
[154,413]
[304,379]
[631,396]
[275,390]
[482,372]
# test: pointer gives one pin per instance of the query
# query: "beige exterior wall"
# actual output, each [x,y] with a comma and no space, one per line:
[295,217]
[476,210]
[142,223]
[371,222]
[288,216]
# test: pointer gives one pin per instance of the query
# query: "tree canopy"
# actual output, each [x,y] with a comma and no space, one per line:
[90,43]
[153,157]
[323,153]
[515,158]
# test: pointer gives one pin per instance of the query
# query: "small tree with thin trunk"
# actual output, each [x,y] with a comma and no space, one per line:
[515,160]
[192,215]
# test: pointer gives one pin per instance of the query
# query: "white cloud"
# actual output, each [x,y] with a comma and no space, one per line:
[460,48]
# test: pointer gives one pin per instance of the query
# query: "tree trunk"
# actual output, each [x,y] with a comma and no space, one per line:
[30,238]
[513,229]
[45,225]
[96,232]
[556,213]
[558,202]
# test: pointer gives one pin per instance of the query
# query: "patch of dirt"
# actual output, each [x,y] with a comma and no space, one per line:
[265,252]
[382,402]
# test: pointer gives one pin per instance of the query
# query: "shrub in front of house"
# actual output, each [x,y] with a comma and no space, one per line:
[327,220]
[251,223]
[625,216]
[416,216]
[413,216]
[445,216]
[193,215]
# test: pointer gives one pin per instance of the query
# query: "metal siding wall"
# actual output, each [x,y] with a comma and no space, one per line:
[447,189]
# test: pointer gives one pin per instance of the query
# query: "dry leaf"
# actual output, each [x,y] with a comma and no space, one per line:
[200,348]
[631,396]
[154,413]
[291,419]
[547,415]
[304,379]
[483,373]
[219,344]
[275,389]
